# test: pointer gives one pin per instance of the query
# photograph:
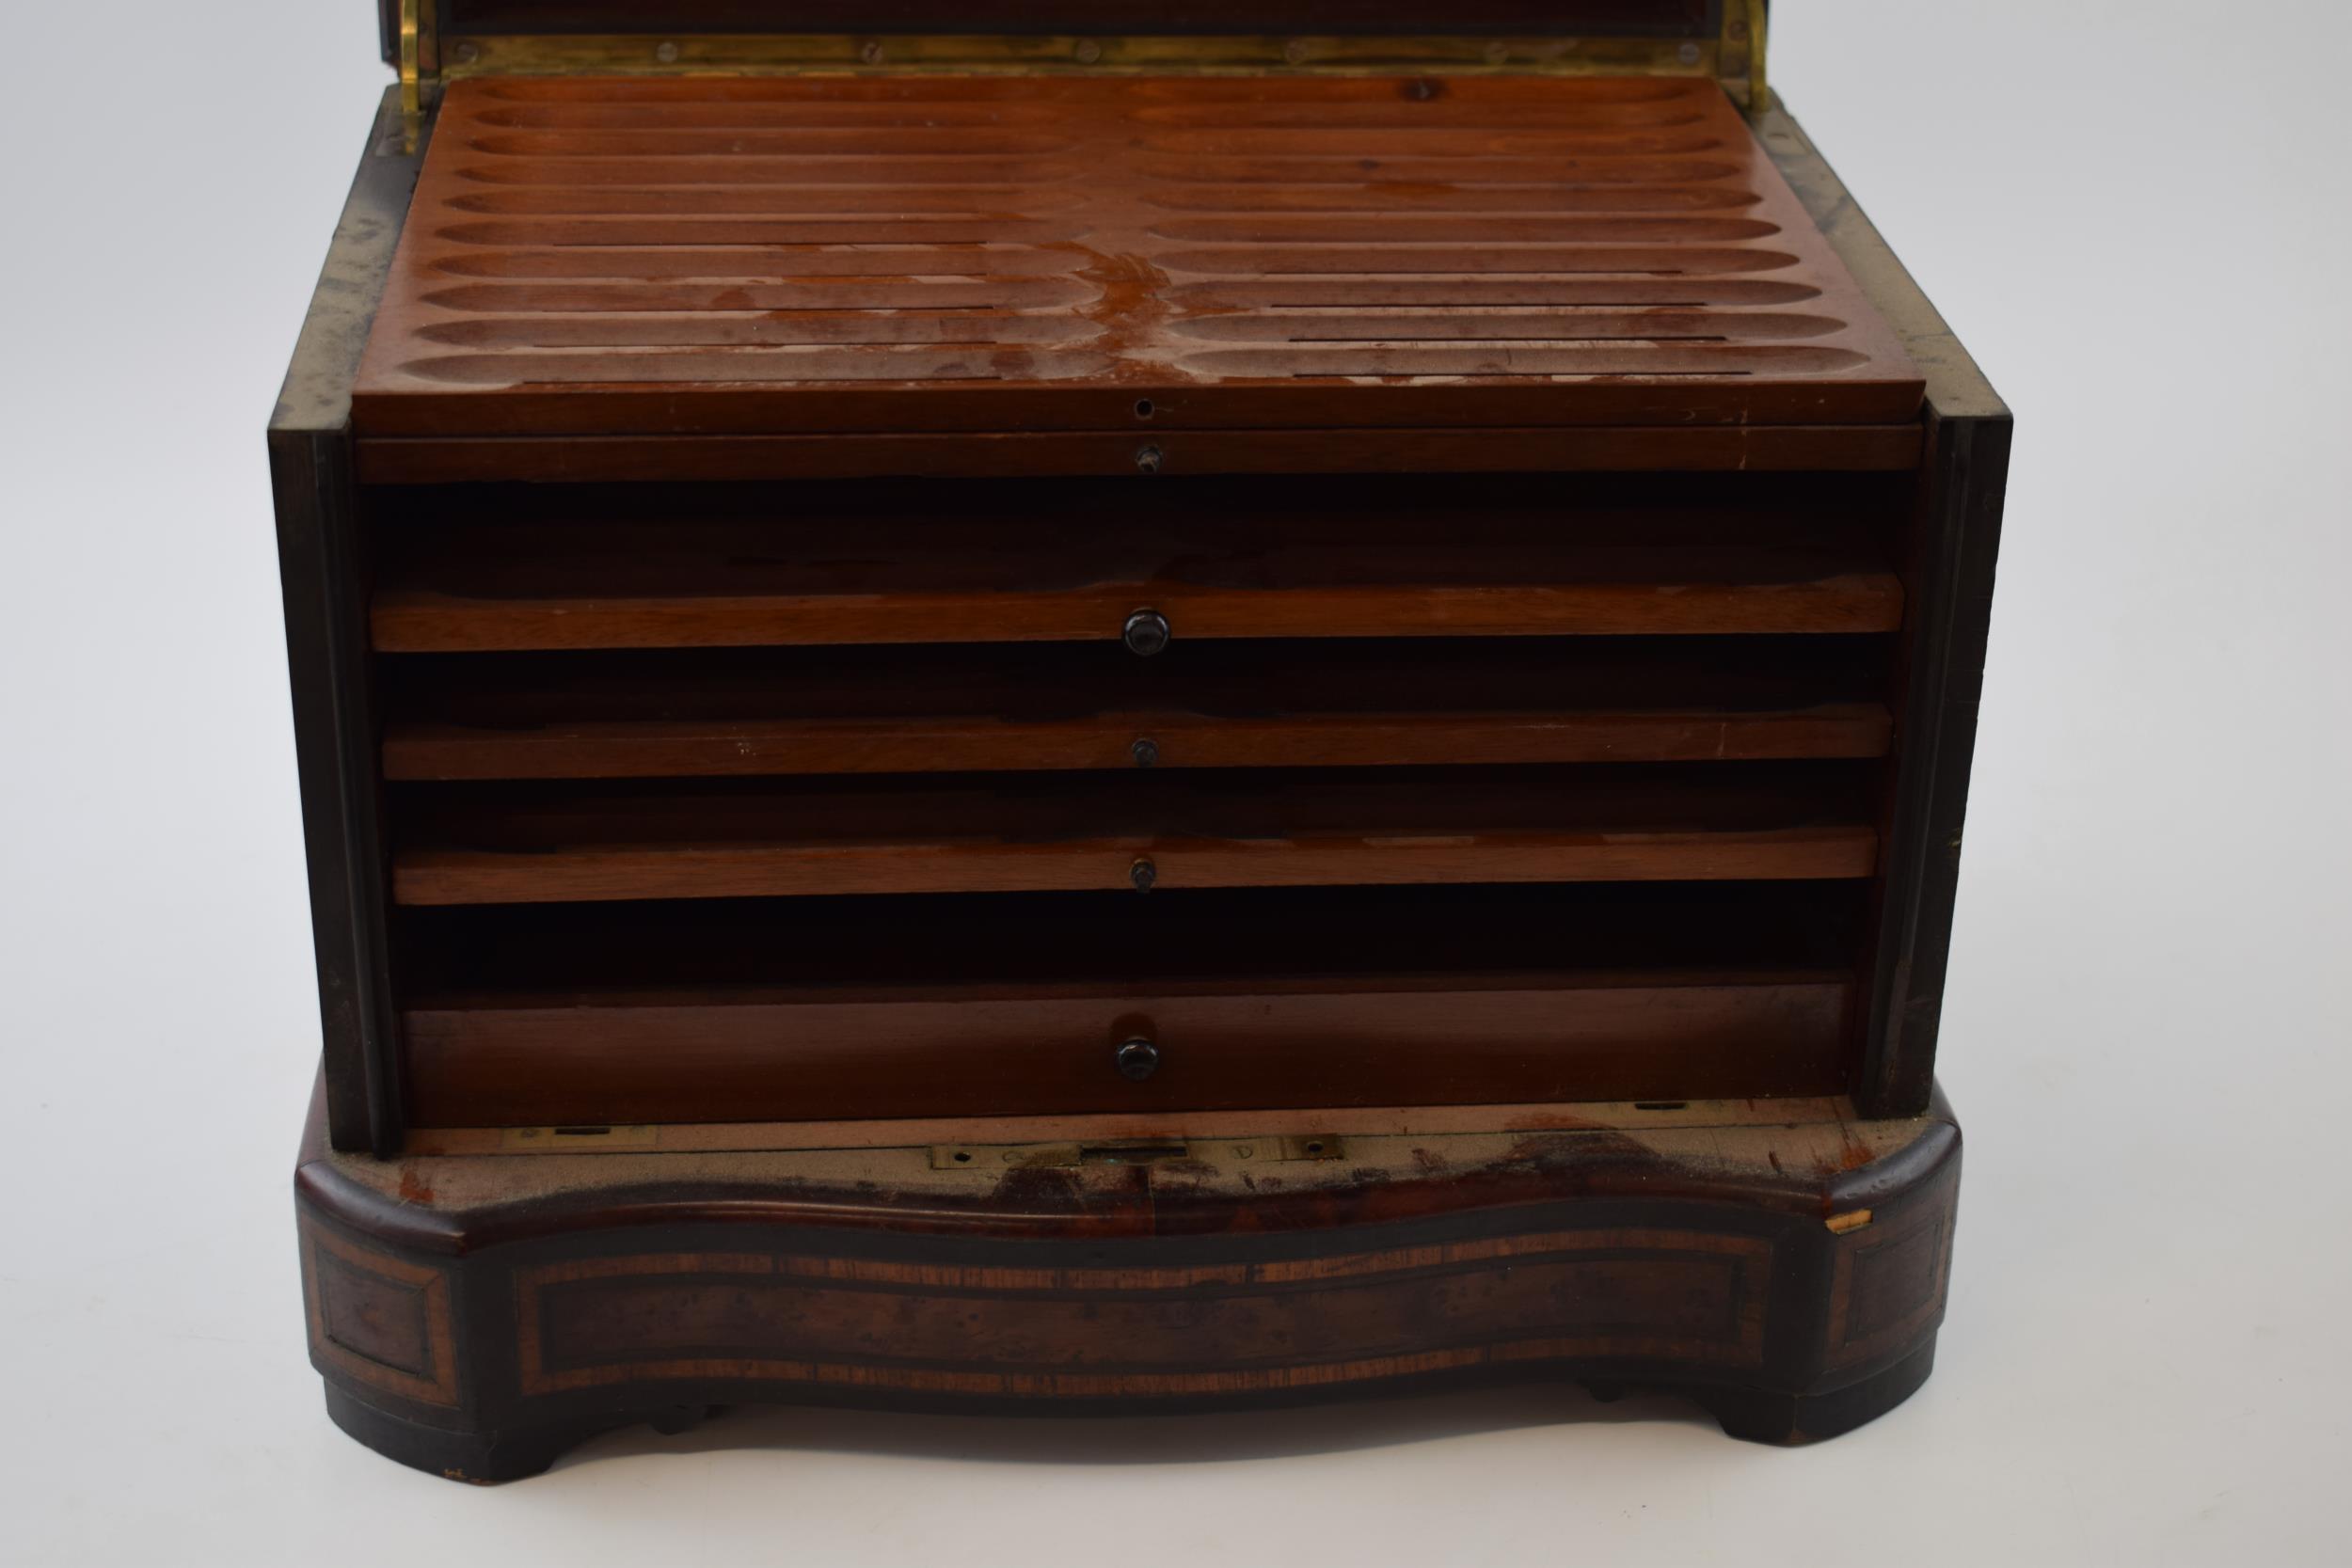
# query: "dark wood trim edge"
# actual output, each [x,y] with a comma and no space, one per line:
[1954,382]
[316,395]
[1590,449]
[1963,477]
[323,579]
[1962,486]
[335,748]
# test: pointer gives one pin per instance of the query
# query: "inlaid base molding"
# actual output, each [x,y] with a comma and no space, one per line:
[478,1314]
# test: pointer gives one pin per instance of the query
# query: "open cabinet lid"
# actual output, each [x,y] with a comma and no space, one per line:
[433,40]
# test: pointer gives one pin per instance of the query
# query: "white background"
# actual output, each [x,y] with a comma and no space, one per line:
[2135,215]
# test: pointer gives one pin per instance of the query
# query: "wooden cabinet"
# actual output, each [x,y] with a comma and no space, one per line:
[1410,588]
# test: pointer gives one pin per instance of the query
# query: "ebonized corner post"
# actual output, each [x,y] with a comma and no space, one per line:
[322,575]
[1961,484]
[1949,578]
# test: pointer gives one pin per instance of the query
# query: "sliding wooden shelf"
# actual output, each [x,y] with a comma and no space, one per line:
[705,1010]
[1168,831]
[968,1053]
[1311,703]
[812,581]
[665,748]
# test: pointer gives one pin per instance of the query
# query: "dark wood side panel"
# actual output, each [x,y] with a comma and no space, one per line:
[1451,1040]
[1963,477]
[336,742]
[1962,489]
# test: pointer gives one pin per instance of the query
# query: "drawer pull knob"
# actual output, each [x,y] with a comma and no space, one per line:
[1143,874]
[1147,633]
[1138,1059]
[1146,752]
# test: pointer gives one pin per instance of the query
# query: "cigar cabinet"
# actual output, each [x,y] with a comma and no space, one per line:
[1119,706]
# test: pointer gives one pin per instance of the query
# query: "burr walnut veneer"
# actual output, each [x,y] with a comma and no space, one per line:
[1120,736]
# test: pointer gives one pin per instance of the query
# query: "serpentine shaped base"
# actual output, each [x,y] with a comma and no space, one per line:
[478,1314]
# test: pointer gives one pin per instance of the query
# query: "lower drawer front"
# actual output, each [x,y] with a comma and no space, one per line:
[1454,1040]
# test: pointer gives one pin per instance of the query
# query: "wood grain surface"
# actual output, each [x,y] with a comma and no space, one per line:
[961,254]
[1454,1040]
[655,746]
[1789,1275]
[1468,572]
[1139,832]
[808,1009]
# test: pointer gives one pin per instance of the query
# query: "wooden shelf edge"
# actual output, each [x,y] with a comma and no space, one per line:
[1373,1121]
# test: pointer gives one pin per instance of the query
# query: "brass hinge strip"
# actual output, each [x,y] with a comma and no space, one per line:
[1736,57]
[411,53]
[418,58]
[1759,92]
[751,54]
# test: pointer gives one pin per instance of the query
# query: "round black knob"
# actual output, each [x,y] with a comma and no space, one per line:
[1139,1059]
[1145,752]
[1143,874]
[1146,633]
